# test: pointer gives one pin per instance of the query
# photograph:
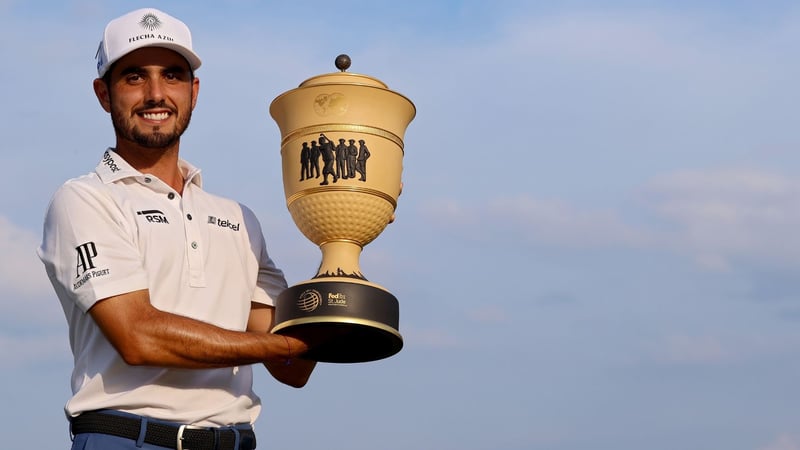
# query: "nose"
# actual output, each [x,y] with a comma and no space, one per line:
[155,91]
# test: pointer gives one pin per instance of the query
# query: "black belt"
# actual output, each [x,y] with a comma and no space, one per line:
[163,435]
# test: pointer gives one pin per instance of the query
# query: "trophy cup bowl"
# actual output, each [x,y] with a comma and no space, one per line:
[342,160]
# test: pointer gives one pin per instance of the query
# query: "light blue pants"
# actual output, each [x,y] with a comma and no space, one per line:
[97,441]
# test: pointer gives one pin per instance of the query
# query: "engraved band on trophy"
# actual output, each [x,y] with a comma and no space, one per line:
[342,158]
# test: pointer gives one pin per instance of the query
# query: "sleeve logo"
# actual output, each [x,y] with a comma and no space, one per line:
[85,268]
[86,253]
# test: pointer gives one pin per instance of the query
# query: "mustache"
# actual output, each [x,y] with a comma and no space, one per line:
[150,104]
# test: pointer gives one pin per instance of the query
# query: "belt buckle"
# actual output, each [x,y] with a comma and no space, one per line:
[181,429]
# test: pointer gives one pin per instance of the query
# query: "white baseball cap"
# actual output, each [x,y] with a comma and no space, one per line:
[146,27]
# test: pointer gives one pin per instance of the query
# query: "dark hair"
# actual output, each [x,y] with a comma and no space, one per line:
[107,75]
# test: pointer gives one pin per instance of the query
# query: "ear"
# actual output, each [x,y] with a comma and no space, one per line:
[101,91]
[195,91]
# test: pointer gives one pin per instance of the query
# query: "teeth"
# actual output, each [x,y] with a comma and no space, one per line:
[155,116]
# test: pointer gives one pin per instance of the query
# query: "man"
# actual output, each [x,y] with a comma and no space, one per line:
[326,149]
[167,289]
[305,158]
[341,156]
[361,162]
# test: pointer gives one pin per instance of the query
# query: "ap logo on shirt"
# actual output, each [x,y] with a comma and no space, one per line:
[86,253]
[85,268]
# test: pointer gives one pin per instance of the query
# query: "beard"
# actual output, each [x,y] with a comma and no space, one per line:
[156,139]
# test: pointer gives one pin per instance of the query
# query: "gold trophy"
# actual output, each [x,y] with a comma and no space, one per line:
[342,155]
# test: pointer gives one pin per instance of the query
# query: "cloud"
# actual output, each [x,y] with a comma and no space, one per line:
[721,218]
[718,347]
[432,338]
[696,44]
[605,36]
[526,219]
[784,441]
[686,349]
[21,351]
[555,222]
[728,215]
[556,298]
[21,272]
[491,314]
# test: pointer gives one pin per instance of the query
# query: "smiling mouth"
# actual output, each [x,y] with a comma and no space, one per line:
[156,116]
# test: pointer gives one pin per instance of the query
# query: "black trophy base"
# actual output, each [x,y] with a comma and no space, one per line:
[345,321]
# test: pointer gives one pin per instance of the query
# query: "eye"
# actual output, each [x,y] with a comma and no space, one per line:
[176,74]
[133,77]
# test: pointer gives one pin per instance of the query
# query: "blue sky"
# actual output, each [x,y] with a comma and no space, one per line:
[596,246]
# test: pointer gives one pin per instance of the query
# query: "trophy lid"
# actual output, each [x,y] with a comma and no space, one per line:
[342,98]
[342,63]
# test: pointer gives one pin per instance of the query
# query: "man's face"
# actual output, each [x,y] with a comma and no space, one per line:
[151,96]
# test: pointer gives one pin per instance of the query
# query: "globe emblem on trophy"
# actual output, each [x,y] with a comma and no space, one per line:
[330,104]
[342,160]
[309,300]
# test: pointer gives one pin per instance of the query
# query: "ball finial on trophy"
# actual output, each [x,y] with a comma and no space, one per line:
[342,62]
[342,157]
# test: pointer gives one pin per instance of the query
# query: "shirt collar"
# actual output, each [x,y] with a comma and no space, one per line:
[190,173]
[112,168]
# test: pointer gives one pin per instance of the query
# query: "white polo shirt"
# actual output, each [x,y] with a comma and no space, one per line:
[117,230]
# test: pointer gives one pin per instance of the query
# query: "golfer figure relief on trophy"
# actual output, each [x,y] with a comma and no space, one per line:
[342,158]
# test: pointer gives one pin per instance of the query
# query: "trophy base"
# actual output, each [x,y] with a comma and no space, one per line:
[348,321]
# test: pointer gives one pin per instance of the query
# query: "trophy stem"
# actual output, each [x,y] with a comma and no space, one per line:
[340,259]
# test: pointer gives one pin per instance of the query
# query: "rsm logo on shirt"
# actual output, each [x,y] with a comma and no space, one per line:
[223,223]
[153,216]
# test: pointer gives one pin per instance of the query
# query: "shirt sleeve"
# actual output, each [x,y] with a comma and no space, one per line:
[88,246]
[271,281]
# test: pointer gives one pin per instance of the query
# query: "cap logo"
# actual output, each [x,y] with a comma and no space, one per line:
[150,22]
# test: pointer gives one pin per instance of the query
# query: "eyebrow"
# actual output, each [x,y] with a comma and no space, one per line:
[168,69]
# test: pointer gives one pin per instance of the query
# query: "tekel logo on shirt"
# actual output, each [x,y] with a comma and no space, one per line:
[223,223]
[85,268]
[153,215]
